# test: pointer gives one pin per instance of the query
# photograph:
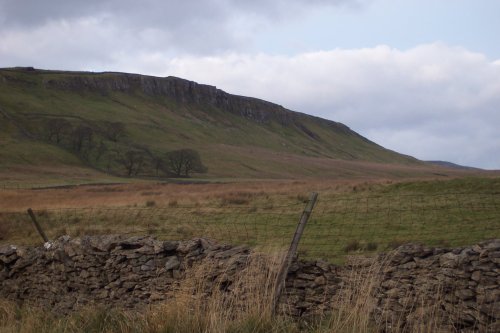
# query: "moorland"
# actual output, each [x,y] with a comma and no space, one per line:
[93,153]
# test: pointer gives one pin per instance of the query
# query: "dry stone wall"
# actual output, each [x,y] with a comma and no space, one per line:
[457,289]
[112,270]
[413,286]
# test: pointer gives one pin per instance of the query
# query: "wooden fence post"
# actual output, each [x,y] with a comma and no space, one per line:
[37,225]
[281,278]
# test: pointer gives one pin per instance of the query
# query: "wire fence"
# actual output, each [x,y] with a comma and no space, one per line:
[349,224]
[234,224]
[368,224]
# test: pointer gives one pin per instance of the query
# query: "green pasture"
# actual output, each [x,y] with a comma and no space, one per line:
[447,213]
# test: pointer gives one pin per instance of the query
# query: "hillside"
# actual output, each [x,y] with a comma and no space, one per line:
[80,125]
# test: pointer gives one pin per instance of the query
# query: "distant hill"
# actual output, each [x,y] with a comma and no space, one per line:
[58,124]
[452,165]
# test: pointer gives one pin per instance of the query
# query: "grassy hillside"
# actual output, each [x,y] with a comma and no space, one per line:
[237,137]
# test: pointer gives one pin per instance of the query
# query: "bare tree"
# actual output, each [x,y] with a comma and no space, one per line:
[133,162]
[56,129]
[101,149]
[158,164]
[184,161]
[82,138]
[113,131]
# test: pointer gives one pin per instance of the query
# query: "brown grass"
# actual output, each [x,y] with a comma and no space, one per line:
[241,193]
[354,304]
[221,307]
[234,192]
[356,309]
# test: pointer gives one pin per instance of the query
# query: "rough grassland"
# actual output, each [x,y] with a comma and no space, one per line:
[231,145]
[356,217]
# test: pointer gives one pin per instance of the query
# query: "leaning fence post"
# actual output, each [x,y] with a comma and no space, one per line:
[37,225]
[280,280]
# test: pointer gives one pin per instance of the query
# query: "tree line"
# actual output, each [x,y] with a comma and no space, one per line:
[176,163]
[93,141]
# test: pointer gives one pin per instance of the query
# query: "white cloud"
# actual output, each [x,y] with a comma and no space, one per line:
[60,44]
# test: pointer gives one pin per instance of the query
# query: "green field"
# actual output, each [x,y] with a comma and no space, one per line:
[361,219]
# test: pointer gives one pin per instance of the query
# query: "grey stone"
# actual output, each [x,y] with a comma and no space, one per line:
[309,277]
[7,250]
[476,276]
[172,263]
[148,266]
[170,245]
[465,294]
[189,246]
[449,260]
[320,280]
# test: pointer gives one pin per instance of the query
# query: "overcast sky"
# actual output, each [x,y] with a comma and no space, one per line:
[421,77]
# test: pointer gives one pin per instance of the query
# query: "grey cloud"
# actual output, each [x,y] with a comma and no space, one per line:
[160,13]
[30,13]
[277,8]
[175,26]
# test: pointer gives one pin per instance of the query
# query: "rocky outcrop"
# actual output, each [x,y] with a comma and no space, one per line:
[413,287]
[173,89]
[179,90]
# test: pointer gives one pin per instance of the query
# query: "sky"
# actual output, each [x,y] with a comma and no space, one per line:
[418,77]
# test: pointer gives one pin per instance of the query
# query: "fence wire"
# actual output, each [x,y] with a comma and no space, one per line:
[237,224]
[341,225]
[368,224]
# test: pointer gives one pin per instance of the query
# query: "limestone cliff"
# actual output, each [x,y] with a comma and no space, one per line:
[181,91]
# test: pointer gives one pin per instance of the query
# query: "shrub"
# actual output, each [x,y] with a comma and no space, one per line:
[302,198]
[235,201]
[352,246]
[371,246]
[236,198]
[252,209]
